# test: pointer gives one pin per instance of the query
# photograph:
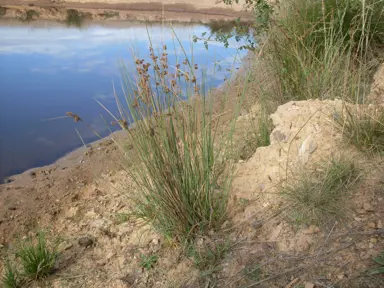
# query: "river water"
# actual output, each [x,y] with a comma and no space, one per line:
[47,70]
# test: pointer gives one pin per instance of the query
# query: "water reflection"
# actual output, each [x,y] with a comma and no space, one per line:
[47,70]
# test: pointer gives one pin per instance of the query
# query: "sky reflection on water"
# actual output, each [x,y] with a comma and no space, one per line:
[48,71]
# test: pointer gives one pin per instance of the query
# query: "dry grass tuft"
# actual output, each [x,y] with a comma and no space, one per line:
[364,128]
[318,197]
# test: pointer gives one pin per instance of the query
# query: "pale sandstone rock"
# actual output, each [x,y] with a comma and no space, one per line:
[71,212]
[307,148]
[276,232]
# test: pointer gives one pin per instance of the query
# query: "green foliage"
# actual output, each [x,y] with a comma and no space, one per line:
[316,22]
[148,262]
[109,14]
[76,18]
[364,128]
[252,272]
[37,259]
[30,15]
[10,278]
[263,12]
[242,32]
[121,218]
[318,196]
[181,169]
[262,9]
[209,256]
[258,135]
[217,26]
[317,51]
[380,269]
[223,31]
[3,11]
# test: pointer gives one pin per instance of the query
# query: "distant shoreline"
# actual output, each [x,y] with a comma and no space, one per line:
[199,11]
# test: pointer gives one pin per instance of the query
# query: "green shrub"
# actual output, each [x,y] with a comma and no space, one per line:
[3,11]
[76,18]
[317,197]
[30,15]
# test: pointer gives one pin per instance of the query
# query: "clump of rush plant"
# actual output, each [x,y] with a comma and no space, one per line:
[363,127]
[35,258]
[318,197]
[182,170]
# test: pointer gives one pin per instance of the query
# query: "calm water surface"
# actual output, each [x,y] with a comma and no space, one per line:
[48,70]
